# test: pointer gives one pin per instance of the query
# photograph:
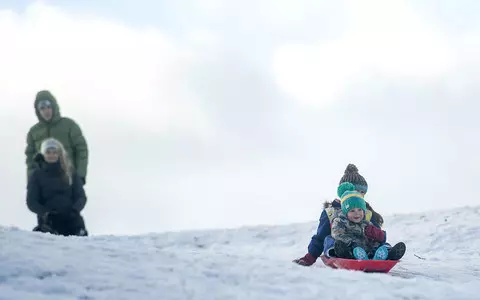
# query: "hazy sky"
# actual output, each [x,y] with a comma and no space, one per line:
[202,114]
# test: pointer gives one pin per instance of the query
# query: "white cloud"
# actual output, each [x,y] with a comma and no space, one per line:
[387,38]
[314,75]
[99,68]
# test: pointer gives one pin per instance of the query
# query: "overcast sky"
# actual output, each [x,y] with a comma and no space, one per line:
[208,114]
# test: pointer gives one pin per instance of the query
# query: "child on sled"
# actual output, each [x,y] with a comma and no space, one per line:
[353,237]
[331,209]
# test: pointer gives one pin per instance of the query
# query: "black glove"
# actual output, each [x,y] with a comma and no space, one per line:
[352,245]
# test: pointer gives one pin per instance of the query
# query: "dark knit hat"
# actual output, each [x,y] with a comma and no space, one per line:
[351,175]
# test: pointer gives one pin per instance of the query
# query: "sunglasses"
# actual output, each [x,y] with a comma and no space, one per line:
[44,104]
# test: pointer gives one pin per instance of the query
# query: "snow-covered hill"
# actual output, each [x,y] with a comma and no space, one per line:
[246,263]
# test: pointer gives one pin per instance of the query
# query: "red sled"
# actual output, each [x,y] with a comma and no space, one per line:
[368,266]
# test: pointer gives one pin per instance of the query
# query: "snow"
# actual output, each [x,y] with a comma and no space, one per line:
[244,263]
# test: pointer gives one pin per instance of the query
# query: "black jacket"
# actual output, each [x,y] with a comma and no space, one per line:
[47,191]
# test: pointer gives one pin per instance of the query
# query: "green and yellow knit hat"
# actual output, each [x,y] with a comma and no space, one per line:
[350,197]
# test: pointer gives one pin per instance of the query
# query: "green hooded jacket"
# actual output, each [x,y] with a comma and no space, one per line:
[63,129]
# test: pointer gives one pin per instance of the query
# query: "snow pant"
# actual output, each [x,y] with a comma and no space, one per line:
[62,224]
[329,246]
[316,246]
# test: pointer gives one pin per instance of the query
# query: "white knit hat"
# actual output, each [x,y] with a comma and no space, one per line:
[49,144]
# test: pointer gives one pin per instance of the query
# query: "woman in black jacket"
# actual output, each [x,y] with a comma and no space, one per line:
[55,192]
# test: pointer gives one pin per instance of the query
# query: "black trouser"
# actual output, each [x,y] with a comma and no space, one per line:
[62,224]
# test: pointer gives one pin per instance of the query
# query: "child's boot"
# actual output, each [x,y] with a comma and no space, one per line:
[397,251]
[359,253]
[381,253]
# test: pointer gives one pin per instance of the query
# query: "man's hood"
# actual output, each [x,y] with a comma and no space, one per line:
[46,95]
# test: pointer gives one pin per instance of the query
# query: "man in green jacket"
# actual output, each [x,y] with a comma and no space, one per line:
[52,124]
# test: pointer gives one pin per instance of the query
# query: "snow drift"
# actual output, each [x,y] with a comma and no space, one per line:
[442,262]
